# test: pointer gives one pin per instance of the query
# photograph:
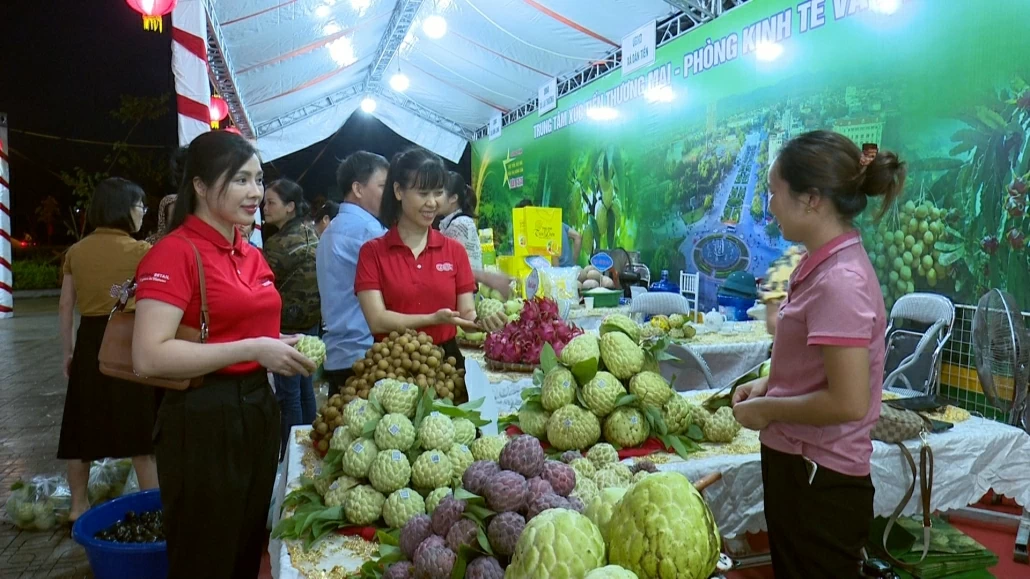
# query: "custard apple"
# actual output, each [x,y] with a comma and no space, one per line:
[677,321]
[602,392]
[356,414]
[484,568]
[602,454]
[572,428]
[488,447]
[558,389]
[362,505]
[699,416]
[337,491]
[665,530]
[464,533]
[399,398]
[358,457]
[524,455]
[375,394]
[434,498]
[461,458]
[488,308]
[341,439]
[434,563]
[584,467]
[624,472]
[622,356]
[677,414]
[544,502]
[621,323]
[610,572]
[416,530]
[389,471]
[626,427]
[650,388]
[585,489]
[641,475]
[400,570]
[436,432]
[651,331]
[576,504]
[506,491]
[395,431]
[313,348]
[559,544]
[504,531]
[538,486]
[560,476]
[448,512]
[464,431]
[534,422]
[476,475]
[721,426]
[570,455]
[401,506]
[600,508]
[432,469]
[431,542]
[580,349]
[607,478]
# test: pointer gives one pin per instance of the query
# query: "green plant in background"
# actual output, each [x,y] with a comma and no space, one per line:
[34,275]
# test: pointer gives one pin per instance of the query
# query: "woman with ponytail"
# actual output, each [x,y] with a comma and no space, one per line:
[458,213]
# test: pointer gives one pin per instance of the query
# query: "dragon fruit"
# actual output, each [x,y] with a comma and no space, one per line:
[521,342]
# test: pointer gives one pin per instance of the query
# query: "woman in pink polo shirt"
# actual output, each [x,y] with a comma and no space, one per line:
[821,399]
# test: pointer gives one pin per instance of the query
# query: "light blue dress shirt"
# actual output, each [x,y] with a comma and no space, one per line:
[347,336]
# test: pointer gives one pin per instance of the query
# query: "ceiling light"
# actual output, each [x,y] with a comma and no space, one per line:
[435,26]
[602,113]
[399,82]
[768,51]
[342,51]
[331,29]
[323,11]
[660,94]
[887,7]
[368,105]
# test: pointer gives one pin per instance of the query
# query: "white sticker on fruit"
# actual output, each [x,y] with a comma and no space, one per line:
[465,448]
[318,470]
[405,387]
[335,485]
[632,419]
[358,447]
[396,456]
[405,494]
[394,429]
[361,410]
[435,458]
[567,423]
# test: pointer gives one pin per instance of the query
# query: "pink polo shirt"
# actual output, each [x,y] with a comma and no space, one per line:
[834,300]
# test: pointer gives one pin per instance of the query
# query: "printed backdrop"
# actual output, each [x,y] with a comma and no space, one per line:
[672,160]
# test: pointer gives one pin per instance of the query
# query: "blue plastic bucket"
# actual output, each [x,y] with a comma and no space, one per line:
[735,308]
[121,560]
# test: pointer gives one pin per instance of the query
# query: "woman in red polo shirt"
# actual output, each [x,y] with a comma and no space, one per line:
[217,445]
[414,277]
[818,405]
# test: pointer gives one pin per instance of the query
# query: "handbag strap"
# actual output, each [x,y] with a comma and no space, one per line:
[205,318]
[924,476]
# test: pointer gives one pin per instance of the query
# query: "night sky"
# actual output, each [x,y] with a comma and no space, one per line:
[64,65]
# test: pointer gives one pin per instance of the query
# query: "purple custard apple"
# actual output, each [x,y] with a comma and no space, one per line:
[506,492]
[477,474]
[416,530]
[576,504]
[484,568]
[447,513]
[434,563]
[431,542]
[524,455]
[464,533]
[570,455]
[561,476]
[504,531]
[400,570]
[538,486]
[544,502]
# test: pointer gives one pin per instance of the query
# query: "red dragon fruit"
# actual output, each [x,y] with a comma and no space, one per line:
[521,341]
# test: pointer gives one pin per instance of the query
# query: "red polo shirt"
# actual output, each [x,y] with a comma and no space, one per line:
[242,300]
[411,285]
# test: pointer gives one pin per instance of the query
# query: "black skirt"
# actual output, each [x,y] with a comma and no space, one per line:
[103,417]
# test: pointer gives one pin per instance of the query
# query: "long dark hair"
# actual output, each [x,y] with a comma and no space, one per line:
[211,156]
[828,164]
[290,192]
[413,169]
[456,186]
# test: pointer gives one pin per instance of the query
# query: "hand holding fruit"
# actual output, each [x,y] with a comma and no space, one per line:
[281,357]
[493,322]
[751,390]
[751,413]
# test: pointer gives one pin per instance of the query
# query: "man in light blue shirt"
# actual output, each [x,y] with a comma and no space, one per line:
[361,177]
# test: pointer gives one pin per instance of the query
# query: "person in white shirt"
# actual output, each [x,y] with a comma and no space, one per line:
[459,218]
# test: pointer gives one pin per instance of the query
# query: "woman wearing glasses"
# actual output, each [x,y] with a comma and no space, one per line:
[103,417]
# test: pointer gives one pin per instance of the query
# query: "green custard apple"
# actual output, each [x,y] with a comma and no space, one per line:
[357,413]
[626,427]
[432,469]
[610,572]
[666,530]
[601,507]
[488,308]
[621,323]
[678,414]
[435,496]
[337,490]
[607,478]
[461,458]
[585,489]
[363,505]
[602,393]
[341,439]
[436,432]
[622,356]
[650,388]
[584,468]
[464,431]
[721,426]
[313,348]
[389,471]
[399,398]
[558,389]
[401,506]
[603,454]
[358,458]
[534,422]
[580,349]
[395,431]
[573,428]
[677,321]
[489,447]
[558,544]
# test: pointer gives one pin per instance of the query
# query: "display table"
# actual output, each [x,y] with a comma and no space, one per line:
[591,319]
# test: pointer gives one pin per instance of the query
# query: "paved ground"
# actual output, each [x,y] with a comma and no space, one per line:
[32,391]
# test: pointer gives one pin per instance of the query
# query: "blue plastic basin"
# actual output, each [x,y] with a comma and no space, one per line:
[121,560]
[735,308]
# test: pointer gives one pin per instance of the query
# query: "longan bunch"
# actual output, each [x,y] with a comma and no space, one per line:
[410,357]
[330,417]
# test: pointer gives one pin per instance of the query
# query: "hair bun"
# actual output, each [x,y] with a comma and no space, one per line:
[885,174]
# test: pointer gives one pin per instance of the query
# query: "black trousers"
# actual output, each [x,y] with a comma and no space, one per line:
[817,530]
[217,451]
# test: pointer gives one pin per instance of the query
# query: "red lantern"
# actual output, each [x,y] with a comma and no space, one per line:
[153,11]
[219,110]
[233,130]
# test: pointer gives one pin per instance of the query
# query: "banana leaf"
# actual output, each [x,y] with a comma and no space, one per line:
[951,551]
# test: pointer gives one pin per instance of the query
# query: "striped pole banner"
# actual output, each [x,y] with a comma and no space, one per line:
[6,275]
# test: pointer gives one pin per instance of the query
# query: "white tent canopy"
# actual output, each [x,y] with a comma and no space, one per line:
[293,71]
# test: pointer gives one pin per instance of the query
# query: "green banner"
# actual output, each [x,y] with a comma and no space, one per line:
[672,160]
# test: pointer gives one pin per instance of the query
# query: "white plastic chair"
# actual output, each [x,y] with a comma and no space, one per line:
[690,288]
[925,309]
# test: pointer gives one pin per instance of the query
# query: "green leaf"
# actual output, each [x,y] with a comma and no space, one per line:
[655,420]
[694,432]
[369,429]
[458,571]
[530,393]
[585,370]
[947,259]
[464,495]
[377,407]
[479,512]
[626,400]
[682,446]
[944,247]
[505,421]
[472,404]
[532,404]
[425,406]
[548,359]
[538,377]
[484,542]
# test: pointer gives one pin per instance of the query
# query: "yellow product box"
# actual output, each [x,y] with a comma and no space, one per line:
[537,231]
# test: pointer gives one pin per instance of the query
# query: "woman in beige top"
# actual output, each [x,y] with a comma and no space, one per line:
[103,417]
